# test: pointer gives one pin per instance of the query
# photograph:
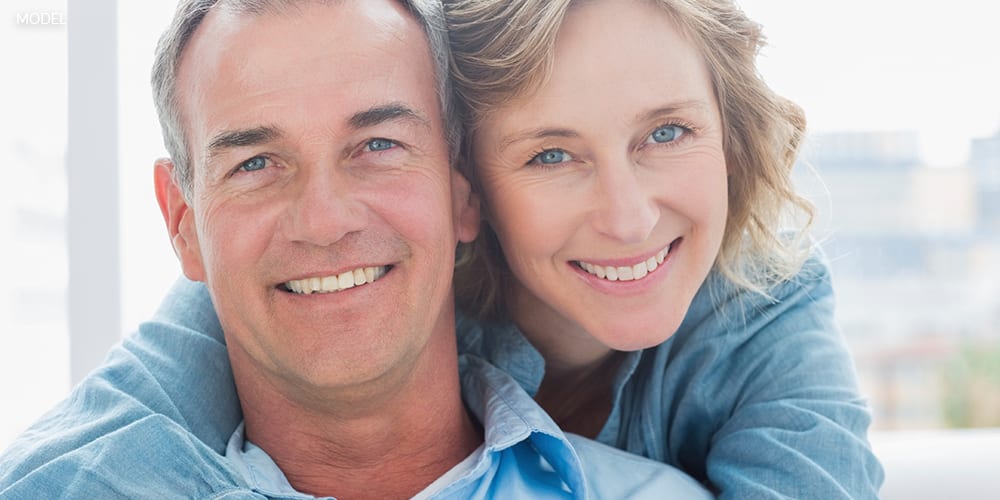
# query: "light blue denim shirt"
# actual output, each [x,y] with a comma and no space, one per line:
[524,455]
[156,421]
[755,397]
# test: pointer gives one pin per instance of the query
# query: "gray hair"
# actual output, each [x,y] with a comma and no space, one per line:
[190,14]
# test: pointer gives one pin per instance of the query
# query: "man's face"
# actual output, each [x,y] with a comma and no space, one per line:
[324,215]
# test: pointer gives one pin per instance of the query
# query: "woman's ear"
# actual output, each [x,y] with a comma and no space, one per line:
[179,219]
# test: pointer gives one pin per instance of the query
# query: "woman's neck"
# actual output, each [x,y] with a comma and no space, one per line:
[576,389]
[580,402]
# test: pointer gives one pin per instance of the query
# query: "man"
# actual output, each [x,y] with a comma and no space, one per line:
[310,189]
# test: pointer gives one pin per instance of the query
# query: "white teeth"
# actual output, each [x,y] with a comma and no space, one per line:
[343,281]
[330,283]
[346,280]
[639,271]
[611,273]
[626,273]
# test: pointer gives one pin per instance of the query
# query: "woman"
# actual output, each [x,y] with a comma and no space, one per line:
[634,169]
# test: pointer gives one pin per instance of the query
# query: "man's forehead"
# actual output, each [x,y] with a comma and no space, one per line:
[362,49]
[235,24]
[234,30]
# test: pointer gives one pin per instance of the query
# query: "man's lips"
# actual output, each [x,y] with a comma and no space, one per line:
[336,282]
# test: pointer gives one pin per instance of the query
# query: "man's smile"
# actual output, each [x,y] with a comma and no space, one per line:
[337,282]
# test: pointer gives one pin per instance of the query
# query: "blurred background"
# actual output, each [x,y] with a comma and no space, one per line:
[902,162]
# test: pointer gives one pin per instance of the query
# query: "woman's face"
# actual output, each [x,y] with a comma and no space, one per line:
[607,187]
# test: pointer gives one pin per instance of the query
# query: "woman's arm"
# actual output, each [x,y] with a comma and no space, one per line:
[798,425]
[756,397]
[175,367]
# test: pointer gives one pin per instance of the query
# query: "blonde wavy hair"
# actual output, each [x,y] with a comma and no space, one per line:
[503,49]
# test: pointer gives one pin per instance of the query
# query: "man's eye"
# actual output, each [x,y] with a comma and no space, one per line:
[551,157]
[253,164]
[379,144]
[666,133]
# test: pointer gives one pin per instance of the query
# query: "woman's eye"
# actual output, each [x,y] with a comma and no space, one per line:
[379,144]
[666,133]
[253,164]
[551,157]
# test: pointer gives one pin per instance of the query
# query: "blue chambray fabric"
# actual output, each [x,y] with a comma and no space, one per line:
[524,455]
[152,421]
[155,421]
[755,397]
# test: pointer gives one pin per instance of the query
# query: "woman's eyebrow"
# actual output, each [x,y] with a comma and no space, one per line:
[673,108]
[543,132]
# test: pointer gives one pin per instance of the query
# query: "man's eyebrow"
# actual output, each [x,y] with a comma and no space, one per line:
[230,139]
[537,133]
[385,113]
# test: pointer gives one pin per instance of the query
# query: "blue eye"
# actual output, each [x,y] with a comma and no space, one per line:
[253,164]
[666,133]
[551,157]
[379,144]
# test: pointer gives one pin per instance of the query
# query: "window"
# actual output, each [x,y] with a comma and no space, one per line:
[904,133]
[34,345]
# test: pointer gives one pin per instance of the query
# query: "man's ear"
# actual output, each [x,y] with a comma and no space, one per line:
[179,219]
[466,208]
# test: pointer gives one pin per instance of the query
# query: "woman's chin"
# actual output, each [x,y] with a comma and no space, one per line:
[635,336]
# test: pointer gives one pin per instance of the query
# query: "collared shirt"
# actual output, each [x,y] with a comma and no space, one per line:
[756,397]
[157,418]
[524,455]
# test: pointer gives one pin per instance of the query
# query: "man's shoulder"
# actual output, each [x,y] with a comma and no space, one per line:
[613,473]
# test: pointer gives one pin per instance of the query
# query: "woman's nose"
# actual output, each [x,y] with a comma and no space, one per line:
[625,211]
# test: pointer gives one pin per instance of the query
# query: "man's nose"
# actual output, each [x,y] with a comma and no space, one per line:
[625,209]
[325,208]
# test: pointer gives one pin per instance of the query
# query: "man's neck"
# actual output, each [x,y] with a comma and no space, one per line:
[383,444]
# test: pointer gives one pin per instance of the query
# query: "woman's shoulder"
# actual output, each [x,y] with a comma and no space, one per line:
[723,309]
[733,334]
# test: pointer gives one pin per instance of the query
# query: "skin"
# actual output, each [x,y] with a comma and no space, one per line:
[617,156]
[317,147]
